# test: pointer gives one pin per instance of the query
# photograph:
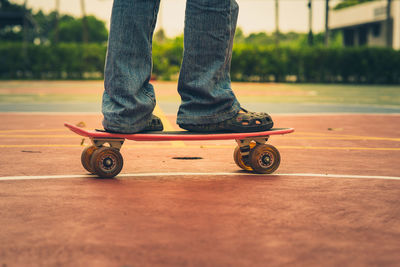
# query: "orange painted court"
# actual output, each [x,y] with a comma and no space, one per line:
[333,201]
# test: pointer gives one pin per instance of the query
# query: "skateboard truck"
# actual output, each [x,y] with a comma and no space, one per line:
[113,142]
[244,146]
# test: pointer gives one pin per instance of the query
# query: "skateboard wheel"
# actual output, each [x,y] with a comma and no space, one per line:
[107,162]
[264,159]
[237,157]
[86,156]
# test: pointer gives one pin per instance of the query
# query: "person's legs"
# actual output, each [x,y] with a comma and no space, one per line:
[128,99]
[204,81]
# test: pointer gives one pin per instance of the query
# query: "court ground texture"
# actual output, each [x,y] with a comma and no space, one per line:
[333,201]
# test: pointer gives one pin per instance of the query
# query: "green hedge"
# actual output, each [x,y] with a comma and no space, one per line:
[249,63]
[322,65]
[64,61]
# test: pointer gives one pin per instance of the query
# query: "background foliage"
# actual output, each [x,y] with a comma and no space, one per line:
[62,61]
[48,53]
[348,3]
[249,62]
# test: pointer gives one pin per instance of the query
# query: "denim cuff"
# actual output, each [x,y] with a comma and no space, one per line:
[209,119]
[123,127]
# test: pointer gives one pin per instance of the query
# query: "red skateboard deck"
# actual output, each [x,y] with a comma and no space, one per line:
[251,154]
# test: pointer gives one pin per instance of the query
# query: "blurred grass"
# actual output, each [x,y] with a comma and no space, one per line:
[84,91]
[47,98]
[384,95]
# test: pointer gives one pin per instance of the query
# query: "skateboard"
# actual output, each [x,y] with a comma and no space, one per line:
[104,159]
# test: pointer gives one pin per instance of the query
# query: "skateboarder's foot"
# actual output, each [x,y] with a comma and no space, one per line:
[244,121]
[154,124]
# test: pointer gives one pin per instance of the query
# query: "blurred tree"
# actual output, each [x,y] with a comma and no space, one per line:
[70,30]
[348,3]
[261,38]
[239,35]
[289,39]
[5,5]
[48,25]
[160,36]
[13,18]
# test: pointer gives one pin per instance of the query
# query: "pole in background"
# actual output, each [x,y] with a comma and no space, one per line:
[277,22]
[389,30]
[25,22]
[85,30]
[25,38]
[326,37]
[310,33]
[56,22]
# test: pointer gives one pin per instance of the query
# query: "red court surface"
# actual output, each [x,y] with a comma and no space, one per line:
[333,201]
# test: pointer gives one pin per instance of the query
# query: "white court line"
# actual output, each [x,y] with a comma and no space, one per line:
[338,176]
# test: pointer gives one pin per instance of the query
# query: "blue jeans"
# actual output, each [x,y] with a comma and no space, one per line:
[204,80]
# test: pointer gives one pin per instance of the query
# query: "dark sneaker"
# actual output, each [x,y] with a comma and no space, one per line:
[242,122]
[155,124]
